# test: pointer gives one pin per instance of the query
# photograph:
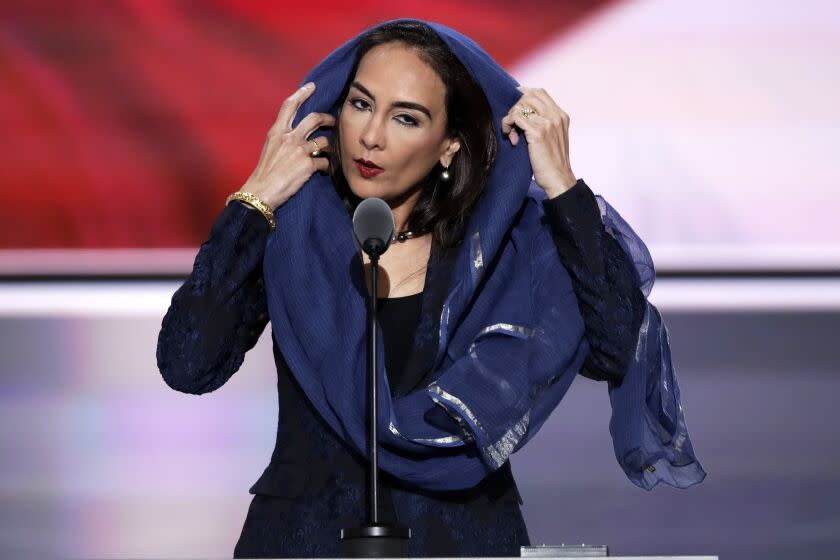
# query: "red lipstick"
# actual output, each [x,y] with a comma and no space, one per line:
[367,169]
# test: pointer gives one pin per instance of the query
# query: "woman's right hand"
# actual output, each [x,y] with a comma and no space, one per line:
[286,162]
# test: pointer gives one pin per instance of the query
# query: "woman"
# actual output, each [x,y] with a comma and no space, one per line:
[497,292]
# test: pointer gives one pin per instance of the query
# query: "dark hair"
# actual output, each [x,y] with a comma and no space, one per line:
[443,207]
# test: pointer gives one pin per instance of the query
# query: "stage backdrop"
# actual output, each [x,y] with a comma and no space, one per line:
[711,127]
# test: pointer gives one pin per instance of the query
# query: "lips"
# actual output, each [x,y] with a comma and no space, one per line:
[367,169]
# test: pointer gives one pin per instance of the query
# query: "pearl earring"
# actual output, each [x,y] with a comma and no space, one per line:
[444,175]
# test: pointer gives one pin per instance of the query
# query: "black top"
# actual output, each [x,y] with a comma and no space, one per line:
[398,318]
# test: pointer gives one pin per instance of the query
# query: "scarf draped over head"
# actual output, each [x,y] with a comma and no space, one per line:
[508,333]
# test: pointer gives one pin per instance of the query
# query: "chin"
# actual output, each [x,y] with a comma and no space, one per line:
[366,188]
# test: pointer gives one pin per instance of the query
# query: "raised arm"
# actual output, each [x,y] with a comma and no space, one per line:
[220,311]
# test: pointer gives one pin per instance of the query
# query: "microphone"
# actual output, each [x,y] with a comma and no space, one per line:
[373,224]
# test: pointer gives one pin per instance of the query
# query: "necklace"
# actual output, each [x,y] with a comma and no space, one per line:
[405,236]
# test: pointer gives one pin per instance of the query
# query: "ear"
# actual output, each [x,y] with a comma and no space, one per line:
[451,149]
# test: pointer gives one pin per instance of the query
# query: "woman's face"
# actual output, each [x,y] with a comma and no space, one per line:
[394,118]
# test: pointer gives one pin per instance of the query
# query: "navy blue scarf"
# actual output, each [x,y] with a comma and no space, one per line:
[502,322]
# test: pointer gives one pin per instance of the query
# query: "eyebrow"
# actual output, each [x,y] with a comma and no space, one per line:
[403,104]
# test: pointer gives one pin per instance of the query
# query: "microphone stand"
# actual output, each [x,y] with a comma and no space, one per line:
[374,539]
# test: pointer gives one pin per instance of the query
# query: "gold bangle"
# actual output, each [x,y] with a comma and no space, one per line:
[256,203]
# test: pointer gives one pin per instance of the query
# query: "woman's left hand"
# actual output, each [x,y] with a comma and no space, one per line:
[547,133]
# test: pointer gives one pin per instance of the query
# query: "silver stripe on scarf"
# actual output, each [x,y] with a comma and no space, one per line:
[478,257]
[497,453]
[666,394]
[466,435]
[680,440]
[502,449]
[515,330]
[641,343]
[458,403]
[444,323]
[442,441]
[671,393]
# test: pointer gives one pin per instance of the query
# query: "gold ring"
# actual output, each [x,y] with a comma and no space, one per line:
[527,112]
[317,151]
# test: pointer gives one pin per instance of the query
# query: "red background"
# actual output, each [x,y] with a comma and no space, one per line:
[126,124]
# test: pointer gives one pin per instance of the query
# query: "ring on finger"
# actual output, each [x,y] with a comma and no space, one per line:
[316,150]
[527,112]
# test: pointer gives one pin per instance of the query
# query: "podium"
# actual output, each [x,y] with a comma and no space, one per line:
[563,557]
[569,552]
[582,551]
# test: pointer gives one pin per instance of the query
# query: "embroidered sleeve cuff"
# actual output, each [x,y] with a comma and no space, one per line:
[574,205]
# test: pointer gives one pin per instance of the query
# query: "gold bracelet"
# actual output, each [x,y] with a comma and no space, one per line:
[256,203]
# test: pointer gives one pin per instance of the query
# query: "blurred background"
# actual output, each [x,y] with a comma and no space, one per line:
[708,126]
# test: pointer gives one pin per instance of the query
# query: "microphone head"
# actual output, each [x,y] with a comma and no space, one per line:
[373,224]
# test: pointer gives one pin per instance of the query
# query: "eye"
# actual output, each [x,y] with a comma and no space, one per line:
[360,104]
[409,120]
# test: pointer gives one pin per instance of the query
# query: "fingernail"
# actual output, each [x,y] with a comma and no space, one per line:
[308,85]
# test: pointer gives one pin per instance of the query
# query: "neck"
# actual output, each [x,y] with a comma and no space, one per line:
[402,207]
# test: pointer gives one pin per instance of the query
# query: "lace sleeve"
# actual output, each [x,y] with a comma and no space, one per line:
[604,280]
[220,311]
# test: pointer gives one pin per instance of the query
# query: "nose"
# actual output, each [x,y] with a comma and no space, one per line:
[373,134]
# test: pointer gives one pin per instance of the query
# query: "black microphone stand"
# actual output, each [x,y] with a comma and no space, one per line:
[374,539]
